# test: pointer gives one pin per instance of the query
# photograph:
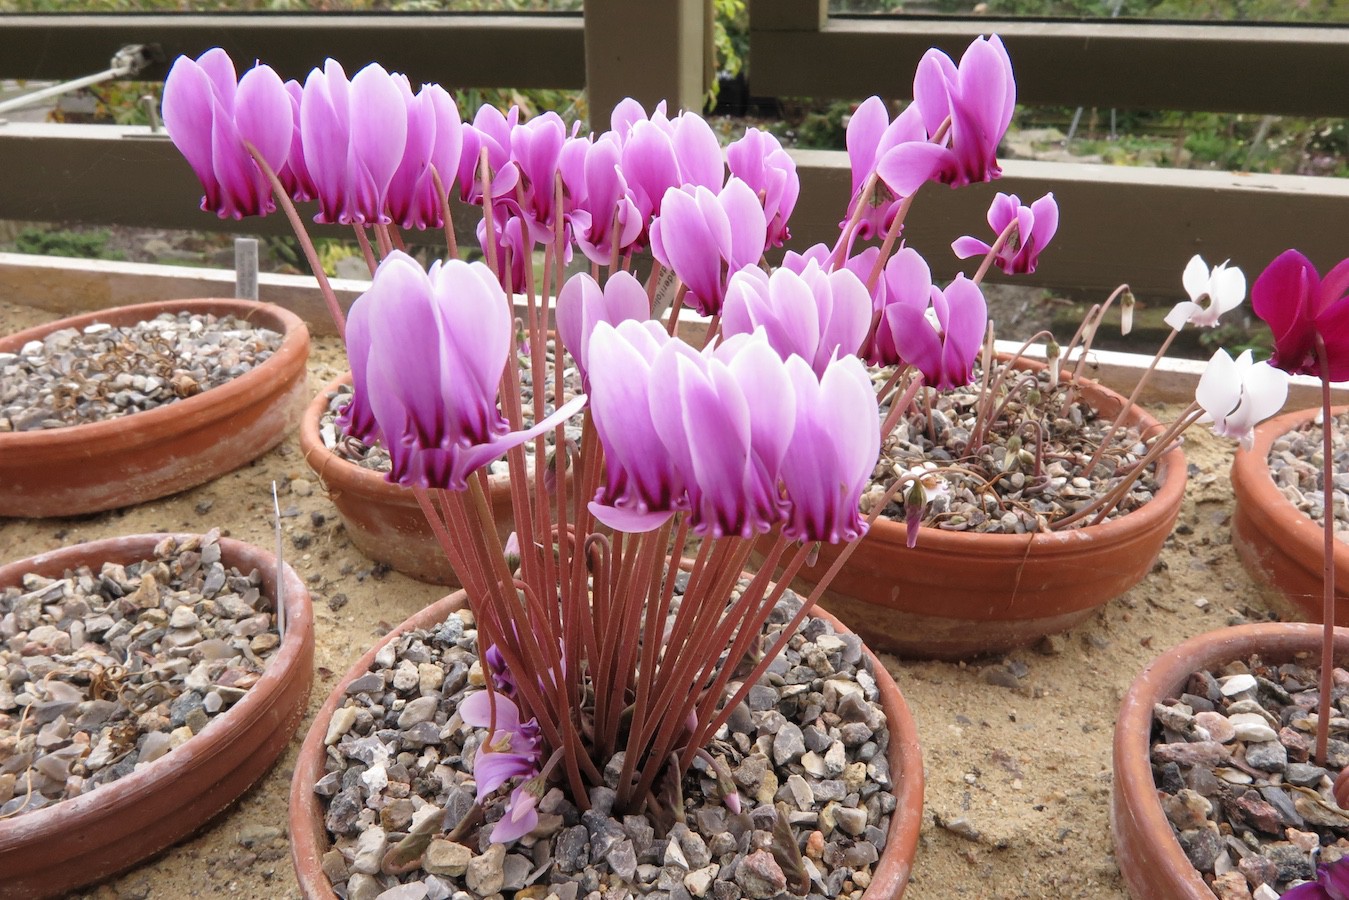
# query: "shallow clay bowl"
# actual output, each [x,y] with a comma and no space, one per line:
[130,459]
[56,849]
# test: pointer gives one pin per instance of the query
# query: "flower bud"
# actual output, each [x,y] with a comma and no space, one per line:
[1126,312]
[1053,355]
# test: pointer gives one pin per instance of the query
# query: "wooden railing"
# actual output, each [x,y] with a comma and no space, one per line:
[1118,224]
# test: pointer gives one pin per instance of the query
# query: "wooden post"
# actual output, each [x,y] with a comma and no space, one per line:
[650,50]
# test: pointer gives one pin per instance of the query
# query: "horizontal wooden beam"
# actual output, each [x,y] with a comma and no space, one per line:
[1237,67]
[72,286]
[534,50]
[1117,223]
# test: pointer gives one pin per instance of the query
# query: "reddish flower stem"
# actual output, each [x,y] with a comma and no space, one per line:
[1129,404]
[366,250]
[1328,556]
[451,242]
[310,254]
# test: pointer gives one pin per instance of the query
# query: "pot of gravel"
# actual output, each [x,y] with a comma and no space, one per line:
[1277,523]
[1216,789]
[991,579]
[382,519]
[846,777]
[144,686]
[124,405]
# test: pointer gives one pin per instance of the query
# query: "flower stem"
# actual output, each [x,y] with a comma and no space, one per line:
[307,245]
[451,243]
[1328,556]
[366,250]
[1128,404]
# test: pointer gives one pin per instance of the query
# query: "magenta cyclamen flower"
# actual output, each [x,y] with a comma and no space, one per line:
[978,97]
[759,160]
[354,134]
[1035,227]
[602,212]
[706,237]
[294,175]
[582,304]
[427,352]
[536,147]
[833,450]
[641,490]
[434,138]
[209,116]
[660,154]
[817,315]
[513,749]
[870,137]
[1298,305]
[941,338]
[907,284]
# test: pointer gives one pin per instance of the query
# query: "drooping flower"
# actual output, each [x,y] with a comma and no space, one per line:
[491,130]
[511,247]
[1298,305]
[978,97]
[536,147]
[905,282]
[513,749]
[833,450]
[1237,395]
[602,211]
[815,314]
[294,174]
[640,491]
[1035,227]
[919,486]
[435,138]
[209,116]
[706,237]
[941,338]
[870,137]
[759,160]
[354,134]
[660,154]
[720,418]
[1212,293]
[427,354]
[582,303]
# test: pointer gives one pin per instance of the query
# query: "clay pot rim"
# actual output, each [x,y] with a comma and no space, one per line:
[336,473]
[171,418]
[1134,792]
[163,773]
[1254,489]
[1171,476]
[892,869]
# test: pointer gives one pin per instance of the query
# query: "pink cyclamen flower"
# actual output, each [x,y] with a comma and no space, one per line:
[834,444]
[941,339]
[759,160]
[706,237]
[513,250]
[870,137]
[1332,883]
[720,417]
[1298,305]
[354,134]
[906,282]
[641,490]
[1238,394]
[1212,293]
[604,218]
[978,98]
[513,749]
[491,130]
[434,139]
[536,147]
[210,117]
[294,174]
[1035,227]
[815,314]
[582,304]
[427,352]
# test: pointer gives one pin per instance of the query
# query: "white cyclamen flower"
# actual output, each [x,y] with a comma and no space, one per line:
[1238,394]
[1212,293]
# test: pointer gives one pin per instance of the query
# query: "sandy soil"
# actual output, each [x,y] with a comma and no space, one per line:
[1027,766]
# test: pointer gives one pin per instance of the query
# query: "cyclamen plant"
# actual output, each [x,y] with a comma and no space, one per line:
[690,450]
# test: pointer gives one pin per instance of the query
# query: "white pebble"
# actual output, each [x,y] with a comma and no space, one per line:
[1235,684]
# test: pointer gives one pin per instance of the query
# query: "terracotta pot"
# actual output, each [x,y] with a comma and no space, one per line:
[309,838]
[1146,850]
[958,594]
[383,519]
[1282,547]
[117,462]
[54,850]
